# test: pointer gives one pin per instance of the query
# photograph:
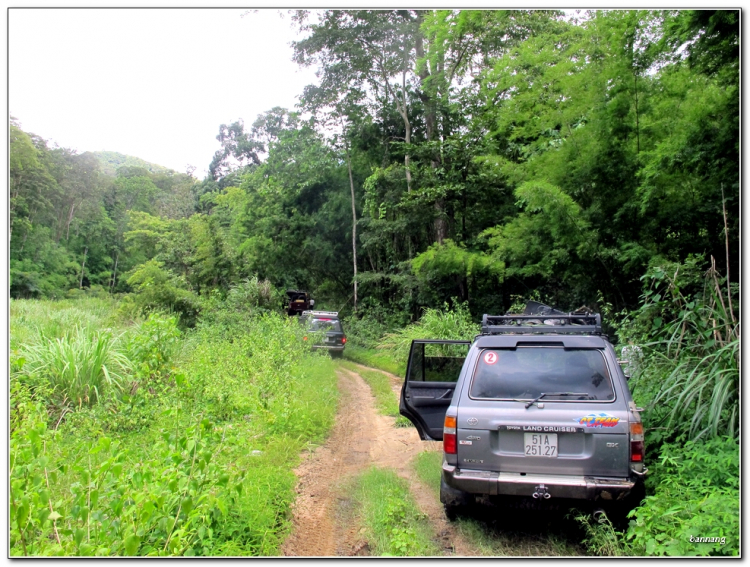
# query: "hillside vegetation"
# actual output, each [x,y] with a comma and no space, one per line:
[112,161]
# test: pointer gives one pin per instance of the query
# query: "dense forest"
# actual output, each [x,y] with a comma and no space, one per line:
[448,163]
[476,155]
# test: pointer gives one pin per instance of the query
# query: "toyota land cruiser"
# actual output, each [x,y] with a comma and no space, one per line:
[324,331]
[535,406]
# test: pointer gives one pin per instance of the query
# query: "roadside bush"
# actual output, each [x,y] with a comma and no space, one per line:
[449,323]
[197,460]
[689,337]
[165,502]
[226,315]
[157,289]
[240,375]
[695,495]
[686,374]
[81,368]
[367,327]
[152,346]
[601,537]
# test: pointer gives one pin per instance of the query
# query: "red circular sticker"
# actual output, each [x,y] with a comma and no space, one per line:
[490,357]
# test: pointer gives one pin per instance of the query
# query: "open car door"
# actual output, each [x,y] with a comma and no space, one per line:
[431,375]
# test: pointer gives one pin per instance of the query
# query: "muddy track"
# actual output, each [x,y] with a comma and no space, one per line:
[361,437]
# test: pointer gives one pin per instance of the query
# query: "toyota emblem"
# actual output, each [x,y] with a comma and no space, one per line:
[472,421]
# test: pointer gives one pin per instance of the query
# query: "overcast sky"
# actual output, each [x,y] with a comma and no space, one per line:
[151,83]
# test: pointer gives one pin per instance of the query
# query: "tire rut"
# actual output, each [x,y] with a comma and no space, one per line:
[360,437]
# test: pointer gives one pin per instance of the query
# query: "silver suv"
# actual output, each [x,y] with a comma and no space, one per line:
[324,331]
[535,406]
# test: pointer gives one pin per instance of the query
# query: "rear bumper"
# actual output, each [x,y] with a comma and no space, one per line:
[334,348]
[557,486]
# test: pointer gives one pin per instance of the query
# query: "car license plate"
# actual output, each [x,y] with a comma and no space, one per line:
[540,444]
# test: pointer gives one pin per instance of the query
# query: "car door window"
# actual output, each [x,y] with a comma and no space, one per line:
[433,362]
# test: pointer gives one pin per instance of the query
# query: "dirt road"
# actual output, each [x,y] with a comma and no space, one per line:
[360,438]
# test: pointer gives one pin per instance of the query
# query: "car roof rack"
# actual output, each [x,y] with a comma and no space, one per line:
[557,323]
[322,313]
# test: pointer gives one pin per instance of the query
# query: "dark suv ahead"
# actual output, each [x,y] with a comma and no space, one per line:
[535,406]
[324,331]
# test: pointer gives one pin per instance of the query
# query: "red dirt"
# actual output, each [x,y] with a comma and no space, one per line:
[361,437]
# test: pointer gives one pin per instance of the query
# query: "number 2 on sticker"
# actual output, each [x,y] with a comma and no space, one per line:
[490,358]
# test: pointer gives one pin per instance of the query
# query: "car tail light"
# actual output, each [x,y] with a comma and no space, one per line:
[343,341]
[636,442]
[304,338]
[449,435]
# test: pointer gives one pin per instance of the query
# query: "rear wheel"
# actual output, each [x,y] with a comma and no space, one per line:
[618,512]
[455,502]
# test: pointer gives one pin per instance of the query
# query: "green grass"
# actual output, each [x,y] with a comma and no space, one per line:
[198,460]
[449,323]
[80,367]
[427,464]
[393,524]
[31,319]
[375,358]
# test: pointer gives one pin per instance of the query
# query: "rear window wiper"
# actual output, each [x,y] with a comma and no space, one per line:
[544,394]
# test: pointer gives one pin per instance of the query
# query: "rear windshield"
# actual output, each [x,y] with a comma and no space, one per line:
[326,325]
[525,373]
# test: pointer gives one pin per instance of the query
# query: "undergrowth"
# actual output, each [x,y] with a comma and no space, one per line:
[448,323]
[191,455]
[375,359]
[394,526]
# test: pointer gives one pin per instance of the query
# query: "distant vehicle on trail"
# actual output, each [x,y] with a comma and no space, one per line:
[324,331]
[298,302]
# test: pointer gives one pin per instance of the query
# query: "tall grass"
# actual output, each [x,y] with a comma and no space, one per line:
[30,319]
[209,471]
[692,345]
[80,367]
[447,323]
[689,383]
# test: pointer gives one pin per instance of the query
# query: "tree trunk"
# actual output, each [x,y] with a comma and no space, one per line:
[354,224]
[637,120]
[114,274]
[70,219]
[440,226]
[407,127]
[80,282]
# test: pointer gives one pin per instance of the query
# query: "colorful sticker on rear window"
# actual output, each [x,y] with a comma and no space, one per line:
[490,357]
[598,420]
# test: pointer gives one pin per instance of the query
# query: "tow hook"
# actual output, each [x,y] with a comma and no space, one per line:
[540,491]
[641,474]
